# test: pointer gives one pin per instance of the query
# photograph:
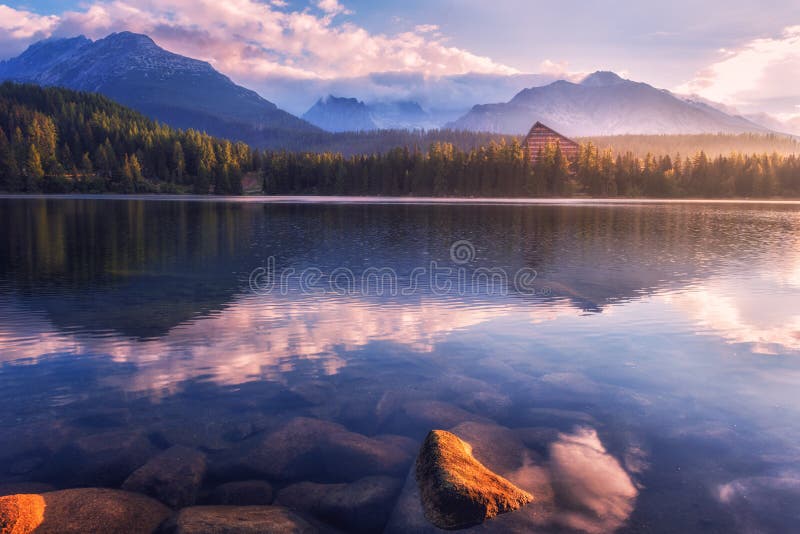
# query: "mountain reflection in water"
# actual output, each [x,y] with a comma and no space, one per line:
[650,379]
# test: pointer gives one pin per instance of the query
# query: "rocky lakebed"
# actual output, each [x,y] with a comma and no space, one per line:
[303,473]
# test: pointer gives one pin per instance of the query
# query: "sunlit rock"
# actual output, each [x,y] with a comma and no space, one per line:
[20,514]
[500,450]
[173,476]
[457,490]
[238,520]
[361,506]
[497,447]
[243,493]
[78,511]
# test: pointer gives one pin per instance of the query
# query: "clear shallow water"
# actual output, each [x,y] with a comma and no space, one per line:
[651,367]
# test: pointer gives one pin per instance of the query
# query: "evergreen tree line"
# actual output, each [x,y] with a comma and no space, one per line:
[379,141]
[57,140]
[712,144]
[504,170]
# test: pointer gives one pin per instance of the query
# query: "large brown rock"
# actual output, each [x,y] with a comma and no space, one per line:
[238,520]
[360,506]
[457,490]
[306,448]
[173,476]
[78,511]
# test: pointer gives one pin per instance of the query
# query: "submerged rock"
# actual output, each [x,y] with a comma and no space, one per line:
[307,447]
[457,490]
[361,506]
[39,438]
[416,417]
[12,488]
[25,465]
[77,511]
[210,436]
[104,459]
[173,476]
[243,493]
[195,434]
[238,520]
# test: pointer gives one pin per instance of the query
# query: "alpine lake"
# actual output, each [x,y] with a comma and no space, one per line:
[635,366]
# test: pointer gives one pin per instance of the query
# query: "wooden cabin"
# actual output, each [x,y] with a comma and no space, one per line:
[540,135]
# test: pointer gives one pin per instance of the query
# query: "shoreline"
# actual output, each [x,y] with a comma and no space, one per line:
[344,199]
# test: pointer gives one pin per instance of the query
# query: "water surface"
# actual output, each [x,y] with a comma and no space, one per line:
[664,338]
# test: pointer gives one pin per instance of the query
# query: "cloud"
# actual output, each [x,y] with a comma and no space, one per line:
[447,97]
[742,317]
[252,40]
[763,503]
[559,70]
[18,27]
[333,7]
[598,492]
[759,75]
[426,28]
[273,340]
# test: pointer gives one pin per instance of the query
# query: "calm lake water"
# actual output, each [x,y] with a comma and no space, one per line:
[645,358]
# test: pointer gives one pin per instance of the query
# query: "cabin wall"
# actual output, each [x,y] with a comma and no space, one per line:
[539,138]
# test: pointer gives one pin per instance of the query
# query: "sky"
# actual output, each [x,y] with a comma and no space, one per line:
[740,53]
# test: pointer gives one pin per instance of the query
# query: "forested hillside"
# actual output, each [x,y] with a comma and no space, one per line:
[58,140]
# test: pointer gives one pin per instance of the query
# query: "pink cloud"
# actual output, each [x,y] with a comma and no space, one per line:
[19,27]
[601,494]
[252,40]
[760,70]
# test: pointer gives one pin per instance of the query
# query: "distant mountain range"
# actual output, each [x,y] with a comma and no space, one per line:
[603,104]
[791,126]
[187,93]
[340,115]
[182,92]
[336,114]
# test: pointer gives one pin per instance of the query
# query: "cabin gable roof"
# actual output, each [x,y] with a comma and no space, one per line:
[538,129]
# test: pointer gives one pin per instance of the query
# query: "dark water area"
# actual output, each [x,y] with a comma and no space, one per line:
[635,366]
